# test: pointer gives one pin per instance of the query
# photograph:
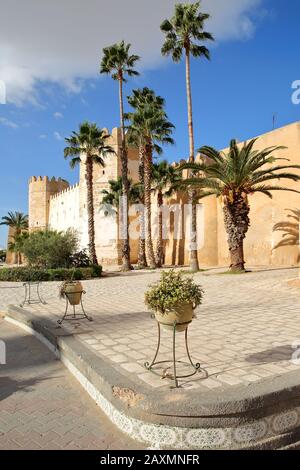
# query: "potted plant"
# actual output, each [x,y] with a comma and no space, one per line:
[173,299]
[72,290]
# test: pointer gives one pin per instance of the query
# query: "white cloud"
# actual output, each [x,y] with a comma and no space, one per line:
[8,123]
[57,136]
[61,41]
[43,136]
[58,115]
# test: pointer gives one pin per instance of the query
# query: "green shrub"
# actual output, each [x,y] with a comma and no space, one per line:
[80,259]
[2,255]
[50,249]
[60,274]
[96,270]
[173,288]
[23,274]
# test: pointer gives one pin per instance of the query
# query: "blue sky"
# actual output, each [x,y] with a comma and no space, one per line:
[235,95]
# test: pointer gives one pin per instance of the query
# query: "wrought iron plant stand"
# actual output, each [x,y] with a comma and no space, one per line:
[28,294]
[149,365]
[74,316]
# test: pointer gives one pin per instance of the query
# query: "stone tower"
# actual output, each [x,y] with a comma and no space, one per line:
[40,191]
[108,246]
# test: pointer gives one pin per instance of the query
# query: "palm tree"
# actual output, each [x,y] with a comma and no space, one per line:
[185,33]
[112,196]
[137,100]
[16,245]
[89,142]
[18,222]
[118,63]
[151,125]
[234,176]
[165,180]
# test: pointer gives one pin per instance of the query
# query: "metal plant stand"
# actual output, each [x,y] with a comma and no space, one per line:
[175,377]
[29,299]
[74,316]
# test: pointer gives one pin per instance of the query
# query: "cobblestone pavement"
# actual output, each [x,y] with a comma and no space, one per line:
[243,333]
[43,407]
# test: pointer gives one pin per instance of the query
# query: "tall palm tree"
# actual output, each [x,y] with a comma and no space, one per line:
[234,176]
[151,125]
[184,33]
[89,142]
[119,63]
[137,100]
[18,222]
[165,179]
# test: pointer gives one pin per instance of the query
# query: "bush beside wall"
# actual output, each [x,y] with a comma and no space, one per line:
[24,274]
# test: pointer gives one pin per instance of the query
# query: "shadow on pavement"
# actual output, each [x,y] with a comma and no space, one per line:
[276,354]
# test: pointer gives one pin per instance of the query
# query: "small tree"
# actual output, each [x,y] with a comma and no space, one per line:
[2,255]
[112,196]
[50,249]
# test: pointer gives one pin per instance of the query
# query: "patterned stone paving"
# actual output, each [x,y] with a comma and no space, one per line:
[43,407]
[243,333]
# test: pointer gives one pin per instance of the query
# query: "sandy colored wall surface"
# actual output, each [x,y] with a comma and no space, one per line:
[265,213]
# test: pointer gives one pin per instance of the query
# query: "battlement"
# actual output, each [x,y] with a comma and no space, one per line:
[62,193]
[114,137]
[177,164]
[45,179]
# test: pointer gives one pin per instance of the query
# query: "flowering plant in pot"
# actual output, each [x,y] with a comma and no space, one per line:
[173,299]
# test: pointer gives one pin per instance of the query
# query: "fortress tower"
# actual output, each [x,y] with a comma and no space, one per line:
[40,191]
[54,204]
[108,246]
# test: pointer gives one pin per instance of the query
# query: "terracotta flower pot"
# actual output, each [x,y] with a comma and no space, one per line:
[73,291]
[181,313]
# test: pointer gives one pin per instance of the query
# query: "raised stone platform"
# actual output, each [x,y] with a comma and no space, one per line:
[245,332]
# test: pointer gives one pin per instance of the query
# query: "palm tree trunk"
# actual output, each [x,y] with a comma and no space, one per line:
[126,266]
[142,262]
[194,264]
[90,210]
[148,221]
[236,219]
[160,247]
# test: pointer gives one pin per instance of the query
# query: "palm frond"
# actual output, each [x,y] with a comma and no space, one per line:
[185,31]
[90,141]
[75,162]
[118,62]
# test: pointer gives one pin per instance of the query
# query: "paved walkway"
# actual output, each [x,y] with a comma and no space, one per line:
[243,334]
[43,407]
